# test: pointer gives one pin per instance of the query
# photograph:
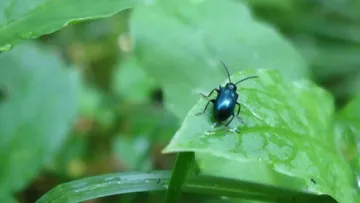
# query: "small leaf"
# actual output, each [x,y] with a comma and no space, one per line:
[186,40]
[36,114]
[287,125]
[151,121]
[31,19]
[132,83]
[348,134]
[90,102]
[132,152]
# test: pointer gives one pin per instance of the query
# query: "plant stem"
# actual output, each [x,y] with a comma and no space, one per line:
[183,165]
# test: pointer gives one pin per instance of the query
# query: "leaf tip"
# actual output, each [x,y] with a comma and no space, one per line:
[166,150]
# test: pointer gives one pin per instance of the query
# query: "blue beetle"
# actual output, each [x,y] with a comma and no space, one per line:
[226,100]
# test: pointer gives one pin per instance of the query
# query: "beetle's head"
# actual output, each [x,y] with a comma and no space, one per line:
[231,86]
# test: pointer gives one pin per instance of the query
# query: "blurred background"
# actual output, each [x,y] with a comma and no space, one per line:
[122,123]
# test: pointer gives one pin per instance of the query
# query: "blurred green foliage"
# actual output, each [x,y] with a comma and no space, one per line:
[36,113]
[98,91]
[199,39]
[22,21]
[327,35]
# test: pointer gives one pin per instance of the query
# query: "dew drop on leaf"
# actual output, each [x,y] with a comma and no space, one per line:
[27,35]
[6,47]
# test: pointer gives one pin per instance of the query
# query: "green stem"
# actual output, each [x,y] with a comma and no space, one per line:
[183,165]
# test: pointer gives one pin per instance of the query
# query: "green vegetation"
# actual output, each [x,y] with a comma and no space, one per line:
[98,101]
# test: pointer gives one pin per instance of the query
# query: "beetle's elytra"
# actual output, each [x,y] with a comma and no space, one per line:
[226,100]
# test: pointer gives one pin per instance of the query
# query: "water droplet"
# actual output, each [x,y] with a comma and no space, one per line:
[27,35]
[234,130]
[79,185]
[214,125]
[209,133]
[109,178]
[6,47]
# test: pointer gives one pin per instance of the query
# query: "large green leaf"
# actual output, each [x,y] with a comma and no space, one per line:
[138,147]
[185,41]
[255,172]
[29,19]
[251,171]
[36,112]
[287,126]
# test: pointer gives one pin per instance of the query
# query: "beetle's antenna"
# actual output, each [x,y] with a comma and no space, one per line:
[227,71]
[246,79]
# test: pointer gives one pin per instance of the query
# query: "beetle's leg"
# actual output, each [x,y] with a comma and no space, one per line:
[233,115]
[212,101]
[212,91]
[238,111]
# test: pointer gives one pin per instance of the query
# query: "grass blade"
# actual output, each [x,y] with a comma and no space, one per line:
[120,183]
[106,185]
[219,186]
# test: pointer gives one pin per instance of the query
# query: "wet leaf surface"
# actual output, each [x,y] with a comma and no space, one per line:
[287,126]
